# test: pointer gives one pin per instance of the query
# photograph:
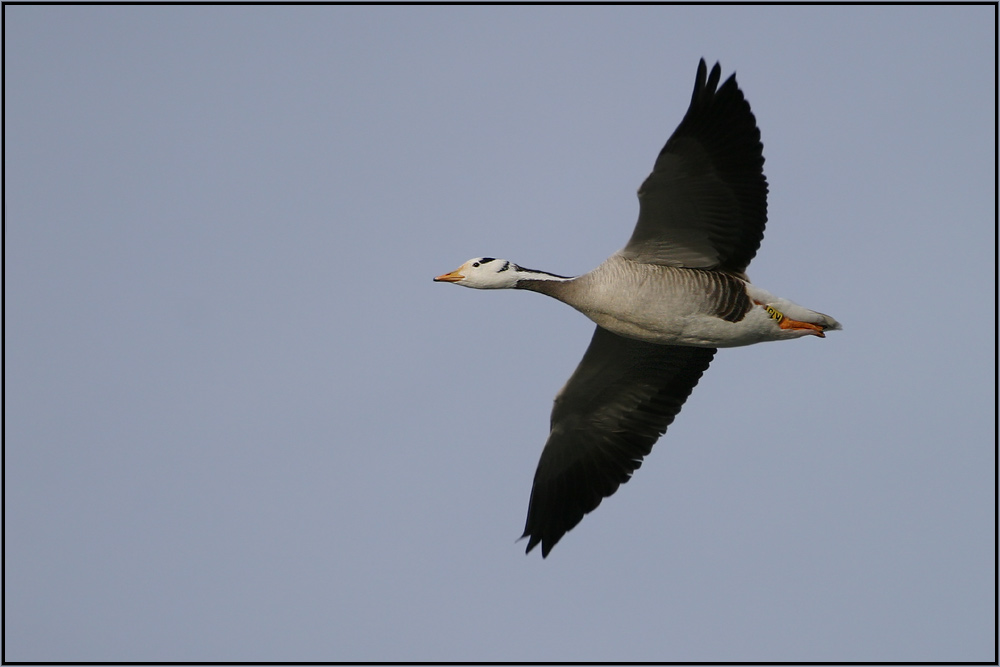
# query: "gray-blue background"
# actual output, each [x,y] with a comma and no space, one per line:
[241,422]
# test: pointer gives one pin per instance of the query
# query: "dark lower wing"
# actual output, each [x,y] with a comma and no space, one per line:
[617,403]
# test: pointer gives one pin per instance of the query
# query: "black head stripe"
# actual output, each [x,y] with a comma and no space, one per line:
[521,269]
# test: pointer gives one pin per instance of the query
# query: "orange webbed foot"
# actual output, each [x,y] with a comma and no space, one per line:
[789,323]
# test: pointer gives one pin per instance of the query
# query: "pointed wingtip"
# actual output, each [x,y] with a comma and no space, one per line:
[705,82]
[533,541]
[713,78]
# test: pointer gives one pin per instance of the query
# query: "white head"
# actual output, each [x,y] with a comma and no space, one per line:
[484,273]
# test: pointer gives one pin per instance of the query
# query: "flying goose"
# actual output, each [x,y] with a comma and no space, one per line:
[663,304]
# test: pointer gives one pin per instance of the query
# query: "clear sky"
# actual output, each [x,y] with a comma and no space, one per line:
[242,423]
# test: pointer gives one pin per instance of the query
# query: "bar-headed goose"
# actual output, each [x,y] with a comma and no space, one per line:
[662,304]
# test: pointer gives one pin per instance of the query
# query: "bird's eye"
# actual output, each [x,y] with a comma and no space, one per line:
[475,264]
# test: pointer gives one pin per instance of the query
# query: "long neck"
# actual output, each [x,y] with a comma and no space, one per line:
[542,282]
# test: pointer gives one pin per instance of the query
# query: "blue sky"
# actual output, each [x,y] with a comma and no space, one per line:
[241,422]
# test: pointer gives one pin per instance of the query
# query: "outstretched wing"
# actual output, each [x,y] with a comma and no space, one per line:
[705,204]
[618,401]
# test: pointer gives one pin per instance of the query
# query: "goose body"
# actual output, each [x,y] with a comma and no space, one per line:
[663,304]
[678,306]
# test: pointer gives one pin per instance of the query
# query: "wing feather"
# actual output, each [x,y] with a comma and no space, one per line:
[617,403]
[705,203]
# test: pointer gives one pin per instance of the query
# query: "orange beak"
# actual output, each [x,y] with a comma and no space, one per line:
[452,277]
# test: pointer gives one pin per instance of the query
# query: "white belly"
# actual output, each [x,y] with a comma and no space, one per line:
[697,330]
[674,306]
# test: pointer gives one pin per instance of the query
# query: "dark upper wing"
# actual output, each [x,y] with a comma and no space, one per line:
[618,401]
[705,204]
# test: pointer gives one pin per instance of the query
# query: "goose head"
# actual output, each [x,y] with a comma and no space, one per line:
[483,273]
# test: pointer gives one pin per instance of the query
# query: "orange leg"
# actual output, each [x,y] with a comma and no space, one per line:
[788,323]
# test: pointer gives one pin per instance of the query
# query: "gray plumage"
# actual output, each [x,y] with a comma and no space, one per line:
[663,304]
